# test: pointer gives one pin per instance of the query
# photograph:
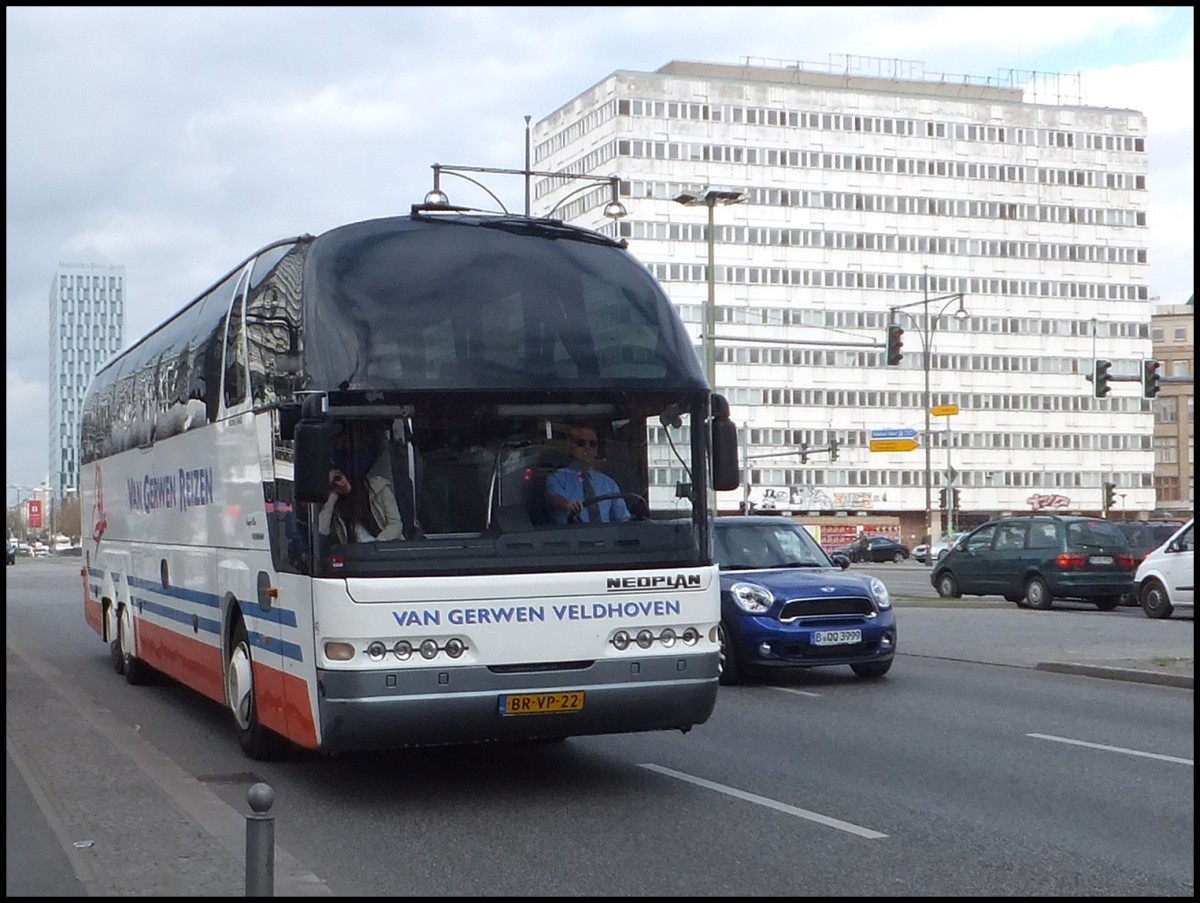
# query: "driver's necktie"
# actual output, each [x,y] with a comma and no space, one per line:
[589,498]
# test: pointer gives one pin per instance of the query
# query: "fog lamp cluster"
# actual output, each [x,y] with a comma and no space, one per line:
[645,638]
[403,650]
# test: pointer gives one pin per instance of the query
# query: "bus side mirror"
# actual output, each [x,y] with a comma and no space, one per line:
[726,473]
[311,455]
[289,416]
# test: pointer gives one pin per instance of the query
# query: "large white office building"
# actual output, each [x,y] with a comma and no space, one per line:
[87,326]
[864,190]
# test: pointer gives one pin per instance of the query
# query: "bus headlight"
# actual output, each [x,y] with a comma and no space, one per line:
[455,647]
[403,650]
[339,652]
[429,648]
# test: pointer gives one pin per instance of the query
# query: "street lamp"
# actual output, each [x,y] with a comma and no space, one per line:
[926,327]
[710,197]
[614,209]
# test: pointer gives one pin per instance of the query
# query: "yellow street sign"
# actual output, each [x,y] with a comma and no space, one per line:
[943,410]
[894,444]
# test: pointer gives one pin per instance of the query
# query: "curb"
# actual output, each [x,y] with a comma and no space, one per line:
[1186,681]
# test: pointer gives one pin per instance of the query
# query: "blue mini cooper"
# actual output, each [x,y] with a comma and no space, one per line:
[786,604]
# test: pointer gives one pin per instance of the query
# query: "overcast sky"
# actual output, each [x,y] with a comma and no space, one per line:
[177,141]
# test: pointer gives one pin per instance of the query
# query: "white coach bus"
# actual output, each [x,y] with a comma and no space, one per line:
[447,358]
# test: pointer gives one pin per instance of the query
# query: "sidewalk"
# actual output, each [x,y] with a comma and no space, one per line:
[1157,652]
[94,809]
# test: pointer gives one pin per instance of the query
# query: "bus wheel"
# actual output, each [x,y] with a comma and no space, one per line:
[114,644]
[256,741]
[730,667]
[135,670]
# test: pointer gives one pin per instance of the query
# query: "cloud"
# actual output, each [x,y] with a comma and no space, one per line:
[175,141]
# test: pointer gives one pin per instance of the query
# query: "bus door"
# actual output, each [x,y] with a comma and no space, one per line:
[246,576]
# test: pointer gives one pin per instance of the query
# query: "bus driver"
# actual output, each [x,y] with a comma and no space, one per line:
[571,490]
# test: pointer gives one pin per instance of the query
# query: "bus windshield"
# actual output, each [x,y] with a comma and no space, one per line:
[501,304]
[474,476]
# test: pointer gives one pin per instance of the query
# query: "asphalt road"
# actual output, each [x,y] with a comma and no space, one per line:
[966,771]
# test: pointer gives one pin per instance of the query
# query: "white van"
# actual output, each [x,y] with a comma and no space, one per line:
[1164,580]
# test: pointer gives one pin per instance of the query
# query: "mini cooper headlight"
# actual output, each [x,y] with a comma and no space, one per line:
[752,598]
[882,600]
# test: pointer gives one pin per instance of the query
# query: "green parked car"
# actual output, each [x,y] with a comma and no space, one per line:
[1034,559]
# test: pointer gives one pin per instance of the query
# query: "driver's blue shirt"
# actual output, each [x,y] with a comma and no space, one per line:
[568,482]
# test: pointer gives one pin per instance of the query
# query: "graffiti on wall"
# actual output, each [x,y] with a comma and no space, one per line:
[1041,500]
[811,498]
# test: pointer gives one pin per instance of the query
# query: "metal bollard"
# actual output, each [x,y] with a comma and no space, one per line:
[260,842]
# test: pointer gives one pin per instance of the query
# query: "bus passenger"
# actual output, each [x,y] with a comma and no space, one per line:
[362,511]
[571,491]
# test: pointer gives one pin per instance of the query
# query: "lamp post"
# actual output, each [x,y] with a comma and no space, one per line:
[614,209]
[926,327]
[710,197]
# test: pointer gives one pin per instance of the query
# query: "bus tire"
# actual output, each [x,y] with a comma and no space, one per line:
[256,741]
[730,667]
[114,643]
[136,671]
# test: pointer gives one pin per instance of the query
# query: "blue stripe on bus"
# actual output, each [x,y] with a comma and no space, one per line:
[271,644]
[188,595]
[281,616]
[277,646]
[285,617]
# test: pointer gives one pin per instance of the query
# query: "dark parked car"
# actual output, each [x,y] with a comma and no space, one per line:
[1144,536]
[1032,560]
[786,604]
[875,548]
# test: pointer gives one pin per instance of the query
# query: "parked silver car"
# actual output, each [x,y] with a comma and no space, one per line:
[944,545]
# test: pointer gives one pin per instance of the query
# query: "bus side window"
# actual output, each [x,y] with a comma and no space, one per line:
[235,358]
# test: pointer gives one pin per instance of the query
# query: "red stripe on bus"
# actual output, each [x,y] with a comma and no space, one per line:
[283,699]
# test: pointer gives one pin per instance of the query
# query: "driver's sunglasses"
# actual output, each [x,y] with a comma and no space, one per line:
[587,443]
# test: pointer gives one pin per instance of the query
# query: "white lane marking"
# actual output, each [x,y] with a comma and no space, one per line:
[769,803]
[797,692]
[1117,749]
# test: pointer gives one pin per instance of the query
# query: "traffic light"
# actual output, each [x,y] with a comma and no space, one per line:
[1110,496]
[1100,378]
[954,500]
[833,445]
[895,344]
[1150,378]
[804,453]
[942,498]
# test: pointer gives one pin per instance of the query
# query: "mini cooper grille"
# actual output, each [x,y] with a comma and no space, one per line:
[824,606]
